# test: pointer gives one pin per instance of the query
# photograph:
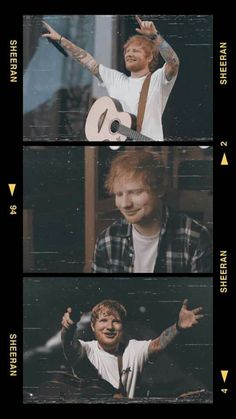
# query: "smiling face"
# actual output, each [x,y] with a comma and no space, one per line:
[136,58]
[136,201]
[108,329]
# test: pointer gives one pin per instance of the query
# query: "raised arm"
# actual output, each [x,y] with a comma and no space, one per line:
[71,346]
[77,53]
[168,54]
[187,319]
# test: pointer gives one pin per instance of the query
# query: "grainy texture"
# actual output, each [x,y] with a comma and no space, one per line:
[152,303]
[189,111]
[57,90]
[55,208]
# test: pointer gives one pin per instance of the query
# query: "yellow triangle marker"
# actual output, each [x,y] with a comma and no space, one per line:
[224,160]
[12,187]
[224,374]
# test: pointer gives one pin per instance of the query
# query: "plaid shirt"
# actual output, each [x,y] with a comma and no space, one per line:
[184,246]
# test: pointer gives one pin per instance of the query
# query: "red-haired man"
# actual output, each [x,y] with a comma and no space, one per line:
[150,237]
[140,56]
[118,360]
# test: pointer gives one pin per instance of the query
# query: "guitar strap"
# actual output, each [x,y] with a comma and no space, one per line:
[121,392]
[143,101]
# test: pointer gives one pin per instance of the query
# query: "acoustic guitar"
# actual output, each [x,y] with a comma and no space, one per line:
[106,121]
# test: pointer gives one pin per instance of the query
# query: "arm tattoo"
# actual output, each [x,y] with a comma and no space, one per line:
[81,56]
[170,57]
[159,344]
[167,337]
[168,54]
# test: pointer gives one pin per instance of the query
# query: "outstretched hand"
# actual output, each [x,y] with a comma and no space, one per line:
[67,322]
[146,27]
[189,318]
[53,35]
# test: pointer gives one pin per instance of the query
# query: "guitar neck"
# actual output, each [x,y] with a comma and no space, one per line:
[133,135]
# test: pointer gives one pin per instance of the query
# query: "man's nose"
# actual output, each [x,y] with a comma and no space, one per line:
[110,326]
[126,201]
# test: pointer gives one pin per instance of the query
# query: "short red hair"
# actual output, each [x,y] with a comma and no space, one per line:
[109,306]
[149,47]
[138,164]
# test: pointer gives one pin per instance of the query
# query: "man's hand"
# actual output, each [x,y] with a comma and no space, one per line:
[71,347]
[189,318]
[67,322]
[147,27]
[53,35]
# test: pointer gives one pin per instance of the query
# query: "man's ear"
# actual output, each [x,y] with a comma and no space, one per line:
[92,327]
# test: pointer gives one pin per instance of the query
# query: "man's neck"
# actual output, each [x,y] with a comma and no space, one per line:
[151,226]
[111,351]
[148,229]
[139,74]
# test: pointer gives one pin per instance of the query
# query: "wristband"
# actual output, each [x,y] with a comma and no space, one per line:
[154,36]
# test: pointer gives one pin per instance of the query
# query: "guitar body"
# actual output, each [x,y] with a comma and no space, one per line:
[104,114]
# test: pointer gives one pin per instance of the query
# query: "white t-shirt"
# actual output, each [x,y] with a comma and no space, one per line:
[133,359]
[145,251]
[127,91]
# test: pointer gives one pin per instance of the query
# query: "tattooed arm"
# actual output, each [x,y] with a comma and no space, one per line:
[168,54]
[159,344]
[170,57]
[77,53]
[187,319]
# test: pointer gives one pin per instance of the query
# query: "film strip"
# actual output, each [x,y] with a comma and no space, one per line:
[57,203]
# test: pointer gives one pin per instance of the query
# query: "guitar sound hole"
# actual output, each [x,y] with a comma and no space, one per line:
[115,126]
